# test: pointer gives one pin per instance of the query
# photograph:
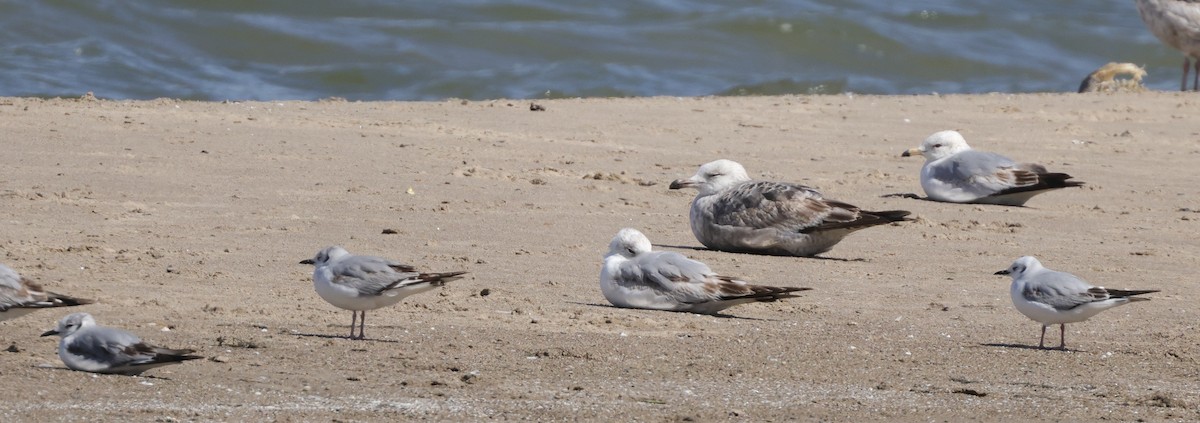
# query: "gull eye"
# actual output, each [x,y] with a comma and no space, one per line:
[937,146]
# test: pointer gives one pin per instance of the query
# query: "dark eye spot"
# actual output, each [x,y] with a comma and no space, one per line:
[937,145]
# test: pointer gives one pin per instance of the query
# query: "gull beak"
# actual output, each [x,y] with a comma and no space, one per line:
[1002,272]
[682,183]
[50,332]
[307,261]
[911,152]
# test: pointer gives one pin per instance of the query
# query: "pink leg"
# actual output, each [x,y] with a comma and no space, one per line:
[1186,68]
[1062,336]
[353,322]
[1042,342]
[1196,76]
[362,326]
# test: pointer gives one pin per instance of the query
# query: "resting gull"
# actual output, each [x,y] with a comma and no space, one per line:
[20,296]
[736,214]
[955,173]
[88,347]
[635,277]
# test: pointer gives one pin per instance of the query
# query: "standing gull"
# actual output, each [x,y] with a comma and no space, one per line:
[955,173]
[635,277]
[88,347]
[1051,297]
[1177,24]
[361,283]
[20,296]
[736,214]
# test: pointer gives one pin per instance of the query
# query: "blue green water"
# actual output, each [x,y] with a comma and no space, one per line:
[425,50]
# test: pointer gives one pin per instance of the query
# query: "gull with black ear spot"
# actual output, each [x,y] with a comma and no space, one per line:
[633,276]
[734,213]
[956,173]
[361,283]
[88,347]
[1050,297]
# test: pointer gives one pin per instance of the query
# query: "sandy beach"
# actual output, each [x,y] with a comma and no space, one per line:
[186,222]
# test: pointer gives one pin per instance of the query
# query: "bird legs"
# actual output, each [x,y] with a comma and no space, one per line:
[362,323]
[1195,77]
[1062,337]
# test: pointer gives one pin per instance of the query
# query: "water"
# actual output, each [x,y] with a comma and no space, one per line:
[427,50]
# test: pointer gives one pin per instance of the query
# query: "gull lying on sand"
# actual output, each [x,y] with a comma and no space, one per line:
[736,214]
[955,173]
[1050,297]
[635,277]
[20,296]
[361,283]
[1177,24]
[88,347]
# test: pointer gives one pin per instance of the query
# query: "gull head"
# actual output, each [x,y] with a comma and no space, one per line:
[939,145]
[71,324]
[1021,267]
[326,255]
[714,176]
[629,243]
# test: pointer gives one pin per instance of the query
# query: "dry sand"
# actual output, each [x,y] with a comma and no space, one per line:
[192,216]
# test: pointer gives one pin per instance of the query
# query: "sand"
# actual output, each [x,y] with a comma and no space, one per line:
[187,220]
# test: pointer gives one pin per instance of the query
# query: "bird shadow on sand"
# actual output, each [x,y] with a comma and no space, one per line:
[328,336]
[907,195]
[68,369]
[688,247]
[1027,347]
[718,315]
[912,196]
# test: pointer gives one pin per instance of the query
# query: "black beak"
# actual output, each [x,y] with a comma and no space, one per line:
[307,261]
[905,154]
[680,184]
[1002,272]
[50,332]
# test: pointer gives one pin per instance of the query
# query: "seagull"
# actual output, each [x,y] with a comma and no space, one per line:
[1051,297]
[955,173]
[1177,24]
[88,347]
[733,213]
[20,296]
[361,283]
[635,277]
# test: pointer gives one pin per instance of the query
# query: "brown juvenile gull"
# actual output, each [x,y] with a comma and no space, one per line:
[955,173]
[361,283]
[1050,297]
[635,277]
[20,296]
[1177,24]
[88,347]
[736,214]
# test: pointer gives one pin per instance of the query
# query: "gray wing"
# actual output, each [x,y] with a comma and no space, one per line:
[113,347]
[984,172]
[12,294]
[662,270]
[1062,290]
[789,207]
[371,275]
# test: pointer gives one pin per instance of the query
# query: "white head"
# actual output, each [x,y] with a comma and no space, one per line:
[326,255]
[1021,267]
[714,176]
[939,145]
[629,243]
[71,324]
